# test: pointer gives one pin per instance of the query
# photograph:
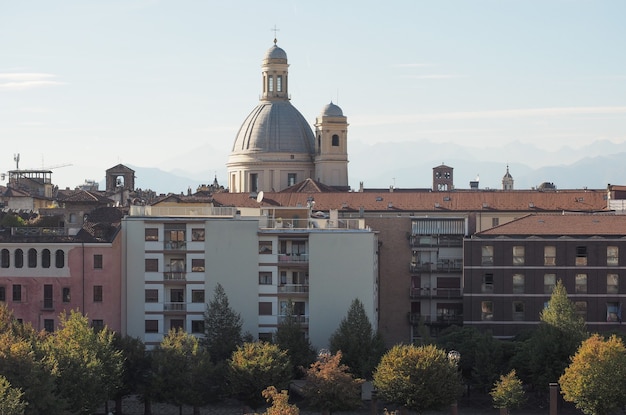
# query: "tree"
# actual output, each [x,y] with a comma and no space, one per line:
[255,366]
[418,378]
[330,387]
[11,402]
[88,367]
[136,372]
[595,379]
[361,348]
[280,402]
[290,337]
[183,370]
[561,314]
[508,393]
[222,327]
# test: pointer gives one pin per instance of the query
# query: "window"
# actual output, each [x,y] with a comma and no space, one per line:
[265,337]
[265,278]
[152,326]
[518,283]
[48,325]
[495,222]
[291,179]
[614,312]
[97,293]
[265,247]
[6,258]
[549,281]
[581,308]
[152,296]
[254,182]
[17,293]
[175,236]
[279,83]
[45,258]
[97,325]
[283,277]
[152,264]
[581,283]
[197,234]
[197,265]
[335,140]
[581,255]
[197,296]
[32,258]
[487,255]
[66,294]
[152,234]
[265,308]
[97,261]
[59,258]
[3,293]
[518,255]
[177,295]
[197,326]
[19,258]
[612,284]
[177,323]
[518,310]
[612,255]
[47,296]
[271,84]
[486,308]
[549,255]
[487,286]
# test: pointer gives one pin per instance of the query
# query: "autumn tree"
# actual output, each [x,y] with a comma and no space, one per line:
[255,366]
[361,347]
[330,386]
[596,376]
[418,378]
[290,337]
[508,392]
[222,327]
[279,402]
[11,402]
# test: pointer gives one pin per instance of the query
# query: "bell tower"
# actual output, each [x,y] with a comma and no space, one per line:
[443,178]
[331,147]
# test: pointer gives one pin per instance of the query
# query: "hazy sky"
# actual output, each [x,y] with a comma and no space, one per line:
[144,82]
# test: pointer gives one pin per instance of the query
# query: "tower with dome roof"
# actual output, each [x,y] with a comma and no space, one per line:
[275,146]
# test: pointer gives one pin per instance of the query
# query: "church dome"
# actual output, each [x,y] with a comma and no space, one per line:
[275,53]
[274,127]
[332,110]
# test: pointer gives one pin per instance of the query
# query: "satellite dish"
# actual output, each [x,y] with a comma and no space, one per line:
[259,197]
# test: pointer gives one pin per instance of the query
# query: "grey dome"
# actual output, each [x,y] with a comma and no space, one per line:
[275,53]
[274,127]
[332,110]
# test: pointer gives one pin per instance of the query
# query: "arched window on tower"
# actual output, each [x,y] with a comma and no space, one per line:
[45,258]
[335,140]
[19,258]
[270,84]
[59,258]
[6,258]
[279,83]
[32,258]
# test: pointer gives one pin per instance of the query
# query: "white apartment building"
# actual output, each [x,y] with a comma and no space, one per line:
[175,256]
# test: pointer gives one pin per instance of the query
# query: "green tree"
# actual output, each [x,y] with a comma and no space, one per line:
[136,372]
[330,387]
[508,392]
[11,402]
[183,370]
[222,327]
[360,346]
[561,314]
[595,379]
[418,378]
[291,337]
[255,366]
[88,367]
[11,220]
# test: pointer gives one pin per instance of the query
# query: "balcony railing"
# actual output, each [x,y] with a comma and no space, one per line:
[174,276]
[415,318]
[174,245]
[174,306]
[442,265]
[290,258]
[302,319]
[434,240]
[293,288]
[435,293]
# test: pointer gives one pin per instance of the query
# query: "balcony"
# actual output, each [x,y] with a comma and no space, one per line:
[427,241]
[293,288]
[301,319]
[174,245]
[175,307]
[442,265]
[174,276]
[440,320]
[293,258]
[438,293]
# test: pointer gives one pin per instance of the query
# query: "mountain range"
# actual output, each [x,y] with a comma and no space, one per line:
[409,165]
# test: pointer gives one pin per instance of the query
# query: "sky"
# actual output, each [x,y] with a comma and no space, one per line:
[86,84]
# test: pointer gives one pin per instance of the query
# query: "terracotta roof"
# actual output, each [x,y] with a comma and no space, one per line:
[82,196]
[308,186]
[562,225]
[427,201]
[196,198]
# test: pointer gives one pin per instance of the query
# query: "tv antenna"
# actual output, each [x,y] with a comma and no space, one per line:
[16,159]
